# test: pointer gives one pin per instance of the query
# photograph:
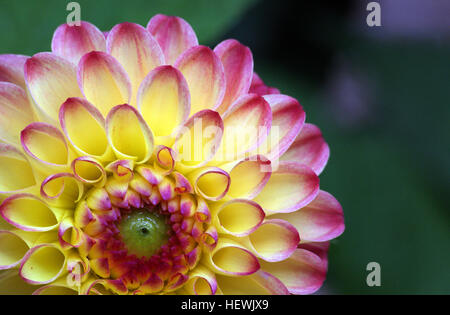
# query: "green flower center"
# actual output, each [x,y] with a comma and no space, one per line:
[143,232]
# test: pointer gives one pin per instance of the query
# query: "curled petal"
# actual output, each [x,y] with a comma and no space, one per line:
[84,127]
[259,283]
[302,273]
[56,289]
[165,160]
[98,286]
[72,41]
[69,235]
[309,148]
[51,80]
[15,112]
[231,258]
[42,264]
[164,91]
[62,190]
[128,134]
[239,217]
[202,281]
[246,125]
[103,81]
[182,184]
[248,176]
[198,139]
[288,118]
[13,249]
[136,50]
[16,173]
[173,34]
[289,188]
[205,77]
[321,220]
[89,171]
[46,146]
[29,213]
[11,69]
[211,183]
[237,61]
[274,240]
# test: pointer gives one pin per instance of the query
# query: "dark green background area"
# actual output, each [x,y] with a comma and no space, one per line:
[390,168]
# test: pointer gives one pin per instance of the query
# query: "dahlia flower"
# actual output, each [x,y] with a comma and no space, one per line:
[137,161]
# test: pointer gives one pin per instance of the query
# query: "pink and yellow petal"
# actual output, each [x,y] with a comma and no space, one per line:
[259,283]
[11,69]
[212,183]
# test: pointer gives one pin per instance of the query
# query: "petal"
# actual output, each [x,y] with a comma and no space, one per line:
[56,289]
[239,217]
[136,50]
[321,220]
[260,88]
[274,240]
[46,146]
[42,264]
[164,91]
[69,235]
[15,112]
[103,81]
[51,80]
[16,173]
[202,281]
[237,62]
[259,283]
[29,213]
[231,258]
[12,284]
[128,134]
[309,148]
[289,188]
[197,140]
[247,124]
[248,176]
[173,34]
[89,171]
[288,118]
[205,77]
[72,42]
[62,190]
[211,183]
[13,249]
[84,127]
[302,273]
[11,69]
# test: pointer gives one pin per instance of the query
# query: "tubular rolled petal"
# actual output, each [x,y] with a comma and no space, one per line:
[248,177]
[237,61]
[164,91]
[15,112]
[43,264]
[62,190]
[259,283]
[84,127]
[69,235]
[46,146]
[246,125]
[205,77]
[274,240]
[56,289]
[289,188]
[136,50]
[29,213]
[51,80]
[302,273]
[16,173]
[11,69]
[173,34]
[89,171]
[197,140]
[231,258]
[13,249]
[321,220]
[202,281]
[73,41]
[211,183]
[239,217]
[103,80]
[309,148]
[288,118]
[128,134]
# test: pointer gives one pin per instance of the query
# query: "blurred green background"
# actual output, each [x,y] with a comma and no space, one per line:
[380,95]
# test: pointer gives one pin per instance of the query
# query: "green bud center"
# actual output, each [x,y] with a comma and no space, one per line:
[143,232]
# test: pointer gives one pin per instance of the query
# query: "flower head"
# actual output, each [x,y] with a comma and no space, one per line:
[137,161]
